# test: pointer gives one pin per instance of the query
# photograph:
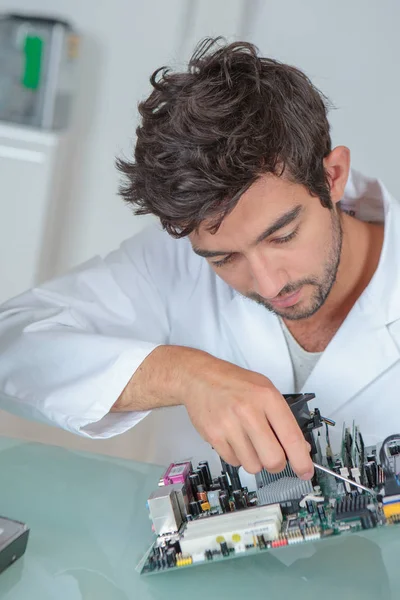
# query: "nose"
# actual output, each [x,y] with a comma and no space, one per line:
[268,280]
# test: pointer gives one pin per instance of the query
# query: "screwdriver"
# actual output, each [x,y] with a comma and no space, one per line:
[349,481]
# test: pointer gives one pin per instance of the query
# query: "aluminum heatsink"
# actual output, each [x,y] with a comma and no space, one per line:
[279,487]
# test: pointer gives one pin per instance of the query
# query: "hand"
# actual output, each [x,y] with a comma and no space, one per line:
[244,417]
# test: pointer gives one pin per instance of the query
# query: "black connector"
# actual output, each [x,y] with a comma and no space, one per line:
[392,488]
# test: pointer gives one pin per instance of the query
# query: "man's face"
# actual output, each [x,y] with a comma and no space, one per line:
[279,246]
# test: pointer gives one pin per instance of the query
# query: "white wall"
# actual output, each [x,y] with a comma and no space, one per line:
[351,50]
[123,42]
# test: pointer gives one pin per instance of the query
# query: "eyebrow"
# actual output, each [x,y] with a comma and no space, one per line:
[280,223]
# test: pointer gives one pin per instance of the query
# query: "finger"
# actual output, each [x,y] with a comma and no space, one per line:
[265,443]
[244,450]
[289,434]
[225,451]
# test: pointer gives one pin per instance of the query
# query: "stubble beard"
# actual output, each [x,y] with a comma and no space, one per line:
[321,286]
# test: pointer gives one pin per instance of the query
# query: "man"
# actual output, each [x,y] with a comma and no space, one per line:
[261,284]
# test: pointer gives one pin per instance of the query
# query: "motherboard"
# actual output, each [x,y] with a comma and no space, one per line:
[198,516]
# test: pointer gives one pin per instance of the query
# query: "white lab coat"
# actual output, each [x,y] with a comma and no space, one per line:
[69,347]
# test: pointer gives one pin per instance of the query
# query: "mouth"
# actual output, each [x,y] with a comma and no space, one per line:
[286,301]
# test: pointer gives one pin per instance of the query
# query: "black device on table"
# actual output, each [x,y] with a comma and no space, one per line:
[13,540]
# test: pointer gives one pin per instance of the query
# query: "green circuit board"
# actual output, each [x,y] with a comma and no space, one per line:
[199,517]
[301,527]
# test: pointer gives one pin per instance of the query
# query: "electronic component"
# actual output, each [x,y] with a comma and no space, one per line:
[278,487]
[177,473]
[203,466]
[194,508]
[231,528]
[391,500]
[371,473]
[182,495]
[352,507]
[239,499]
[201,493]
[391,506]
[343,476]
[214,499]
[288,507]
[224,501]
[223,481]
[387,456]
[312,533]
[164,510]
[199,516]
[232,474]
[194,482]
[294,537]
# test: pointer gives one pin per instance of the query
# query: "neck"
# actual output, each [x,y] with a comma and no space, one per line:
[361,250]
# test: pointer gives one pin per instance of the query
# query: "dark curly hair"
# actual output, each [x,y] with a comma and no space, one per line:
[207,134]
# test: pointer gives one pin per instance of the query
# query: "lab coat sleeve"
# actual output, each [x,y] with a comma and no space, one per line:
[69,347]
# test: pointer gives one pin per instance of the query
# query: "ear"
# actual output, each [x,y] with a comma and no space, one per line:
[337,166]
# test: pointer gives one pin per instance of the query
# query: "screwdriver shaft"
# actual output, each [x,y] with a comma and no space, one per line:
[349,481]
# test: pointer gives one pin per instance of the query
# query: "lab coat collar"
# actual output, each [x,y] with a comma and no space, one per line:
[370,201]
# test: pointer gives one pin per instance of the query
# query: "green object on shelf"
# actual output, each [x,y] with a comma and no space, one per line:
[33,50]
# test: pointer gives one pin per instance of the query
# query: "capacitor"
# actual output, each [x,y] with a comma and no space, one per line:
[310,507]
[224,549]
[321,512]
[200,473]
[206,479]
[194,482]
[238,499]
[170,557]
[194,508]
[371,471]
[245,498]
[233,473]
[223,481]
[201,493]
[368,474]
[224,501]
[260,541]
[204,465]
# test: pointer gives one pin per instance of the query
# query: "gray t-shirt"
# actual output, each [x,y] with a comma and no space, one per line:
[303,362]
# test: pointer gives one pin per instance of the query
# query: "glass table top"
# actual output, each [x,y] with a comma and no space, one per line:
[90,527]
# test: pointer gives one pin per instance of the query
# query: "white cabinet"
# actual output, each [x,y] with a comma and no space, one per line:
[31,163]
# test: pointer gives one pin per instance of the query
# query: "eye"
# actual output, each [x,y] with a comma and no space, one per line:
[286,238]
[223,261]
